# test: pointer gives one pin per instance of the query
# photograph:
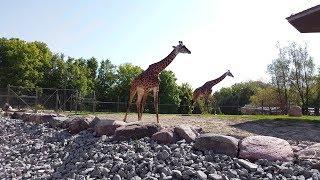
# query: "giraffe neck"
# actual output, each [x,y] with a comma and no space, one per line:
[211,83]
[161,65]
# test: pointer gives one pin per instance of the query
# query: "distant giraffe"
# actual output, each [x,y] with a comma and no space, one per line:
[149,80]
[206,89]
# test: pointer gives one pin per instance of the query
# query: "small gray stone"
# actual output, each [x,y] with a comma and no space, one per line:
[215,176]
[176,174]
[301,177]
[232,173]
[116,177]
[201,175]
[135,178]
[248,165]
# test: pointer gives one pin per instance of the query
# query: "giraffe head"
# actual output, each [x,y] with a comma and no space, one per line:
[229,73]
[181,48]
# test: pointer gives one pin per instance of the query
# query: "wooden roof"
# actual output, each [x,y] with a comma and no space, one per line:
[306,21]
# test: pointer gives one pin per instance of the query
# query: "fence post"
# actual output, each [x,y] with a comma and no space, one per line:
[36,103]
[118,104]
[64,99]
[57,100]
[8,93]
[76,103]
[94,102]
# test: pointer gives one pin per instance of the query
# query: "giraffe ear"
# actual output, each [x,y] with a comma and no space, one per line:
[173,47]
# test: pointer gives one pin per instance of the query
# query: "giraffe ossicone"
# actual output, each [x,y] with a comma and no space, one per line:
[148,80]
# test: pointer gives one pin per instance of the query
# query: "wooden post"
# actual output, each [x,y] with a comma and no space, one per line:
[57,100]
[76,103]
[94,102]
[36,103]
[64,99]
[8,93]
[118,104]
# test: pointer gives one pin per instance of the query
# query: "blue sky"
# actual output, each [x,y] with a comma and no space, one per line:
[222,34]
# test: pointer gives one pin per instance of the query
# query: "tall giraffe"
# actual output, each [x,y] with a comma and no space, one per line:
[206,89]
[149,80]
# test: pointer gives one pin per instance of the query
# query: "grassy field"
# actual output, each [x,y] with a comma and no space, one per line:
[265,117]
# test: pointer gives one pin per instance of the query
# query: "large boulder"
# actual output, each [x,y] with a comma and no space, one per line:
[219,144]
[32,117]
[105,126]
[136,131]
[78,124]
[295,111]
[310,152]
[17,115]
[57,121]
[7,107]
[166,136]
[265,147]
[187,132]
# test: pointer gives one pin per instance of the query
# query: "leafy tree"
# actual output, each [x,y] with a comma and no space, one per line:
[205,106]
[168,92]
[106,81]
[92,65]
[231,99]
[279,70]
[23,63]
[301,74]
[266,97]
[185,95]
[125,74]
[77,76]
[315,91]
[55,75]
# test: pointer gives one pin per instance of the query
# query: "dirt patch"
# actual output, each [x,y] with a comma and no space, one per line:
[293,131]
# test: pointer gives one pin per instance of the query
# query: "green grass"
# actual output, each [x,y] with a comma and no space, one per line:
[264,117]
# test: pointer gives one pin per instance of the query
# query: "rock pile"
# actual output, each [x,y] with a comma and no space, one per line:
[51,146]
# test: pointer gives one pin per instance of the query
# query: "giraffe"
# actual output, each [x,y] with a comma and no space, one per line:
[206,89]
[149,80]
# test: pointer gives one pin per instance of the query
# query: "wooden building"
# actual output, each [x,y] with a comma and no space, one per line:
[307,21]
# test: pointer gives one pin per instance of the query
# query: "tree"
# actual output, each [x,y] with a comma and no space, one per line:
[106,81]
[266,97]
[77,76]
[205,106]
[55,75]
[231,99]
[301,74]
[315,91]
[279,70]
[92,65]
[23,63]
[125,74]
[168,92]
[185,96]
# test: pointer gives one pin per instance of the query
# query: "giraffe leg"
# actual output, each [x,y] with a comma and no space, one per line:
[144,101]
[138,102]
[131,95]
[156,99]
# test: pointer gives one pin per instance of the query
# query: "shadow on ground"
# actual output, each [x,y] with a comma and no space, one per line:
[290,129]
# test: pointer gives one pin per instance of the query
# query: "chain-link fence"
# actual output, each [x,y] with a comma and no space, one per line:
[70,100]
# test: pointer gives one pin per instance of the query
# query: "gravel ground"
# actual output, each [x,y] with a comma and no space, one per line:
[29,151]
[294,132]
